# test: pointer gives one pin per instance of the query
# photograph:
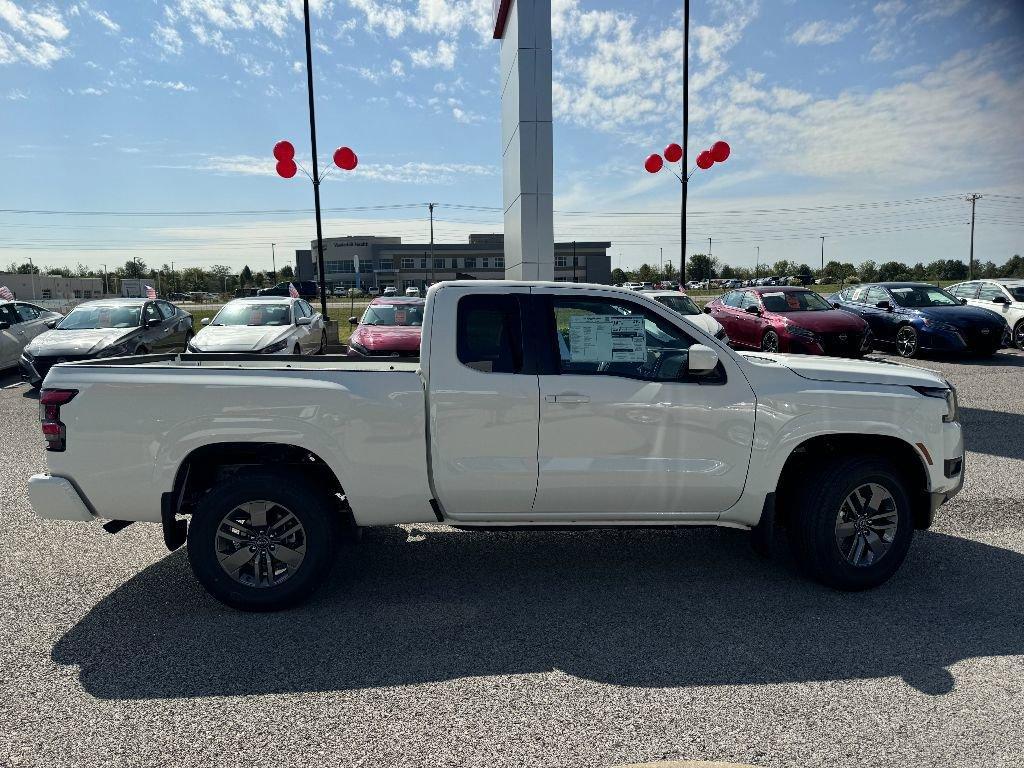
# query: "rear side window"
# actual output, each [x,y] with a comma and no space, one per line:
[965,290]
[27,312]
[748,299]
[988,292]
[489,336]
[167,310]
[151,313]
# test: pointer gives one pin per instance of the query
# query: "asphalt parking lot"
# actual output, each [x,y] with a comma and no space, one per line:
[434,647]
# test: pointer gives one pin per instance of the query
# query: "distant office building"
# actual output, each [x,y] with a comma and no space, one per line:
[374,263]
[38,287]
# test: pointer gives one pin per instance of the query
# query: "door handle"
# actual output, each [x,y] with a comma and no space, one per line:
[566,397]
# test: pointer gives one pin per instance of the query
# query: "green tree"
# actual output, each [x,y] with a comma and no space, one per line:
[868,271]
[259,279]
[246,277]
[1014,267]
[287,273]
[700,266]
[727,272]
[987,269]
[23,269]
[918,272]
[134,268]
[893,270]
[670,272]
[783,267]
[618,276]
[645,273]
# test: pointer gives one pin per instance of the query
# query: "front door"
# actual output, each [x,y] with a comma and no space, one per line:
[482,405]
[625,431]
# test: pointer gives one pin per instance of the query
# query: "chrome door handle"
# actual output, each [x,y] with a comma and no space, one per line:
[566,398]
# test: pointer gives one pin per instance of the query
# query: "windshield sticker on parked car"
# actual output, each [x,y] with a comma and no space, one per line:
[602,339]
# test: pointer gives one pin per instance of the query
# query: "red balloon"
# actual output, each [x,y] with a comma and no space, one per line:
[284,150]
[286,168]
[345,158]
[673,153]
[653,163]
[720,151]
[705,160]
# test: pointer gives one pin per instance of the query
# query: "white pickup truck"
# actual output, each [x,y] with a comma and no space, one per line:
[532,404]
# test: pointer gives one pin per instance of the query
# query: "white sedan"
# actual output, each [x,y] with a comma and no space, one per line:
[270,325]
[683,305]
[1004,297]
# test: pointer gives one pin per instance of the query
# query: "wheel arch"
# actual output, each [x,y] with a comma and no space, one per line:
[904,458]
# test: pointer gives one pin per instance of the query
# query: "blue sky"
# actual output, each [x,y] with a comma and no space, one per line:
[866,122]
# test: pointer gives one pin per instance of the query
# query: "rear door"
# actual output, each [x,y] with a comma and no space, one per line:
[177,326]
[156,338]
[10,342]
[625,431]
[482,404]
[750,326]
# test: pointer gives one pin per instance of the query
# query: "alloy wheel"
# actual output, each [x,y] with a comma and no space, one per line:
[770,343]
[866,525]
[1018,335]
[906,341]
[260,544]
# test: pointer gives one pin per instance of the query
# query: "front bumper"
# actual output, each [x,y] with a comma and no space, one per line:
[29,371]
[55,498]
[963,340]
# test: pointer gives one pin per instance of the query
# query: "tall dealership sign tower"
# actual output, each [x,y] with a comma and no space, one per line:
[524,28]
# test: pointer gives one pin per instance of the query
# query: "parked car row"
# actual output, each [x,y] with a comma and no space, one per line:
[911,318]
[265,325]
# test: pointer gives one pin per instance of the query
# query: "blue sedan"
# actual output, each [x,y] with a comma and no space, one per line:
[918,317]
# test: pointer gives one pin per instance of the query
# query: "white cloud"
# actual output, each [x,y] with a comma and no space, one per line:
[443,56]
[271,15]
[106,21]
[31,36]
[91,92]
[298,67]
[168,39]
[888,39]
[397,68]
[823,32]
[439,17]
[16,95]
[169,85]
[940,9]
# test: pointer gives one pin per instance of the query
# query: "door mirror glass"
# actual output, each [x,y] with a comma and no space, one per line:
[303,321]
[963,301]
[353,321]
[835,305]
[753,310]
[52,323]
[702,359]
[153,322]
[999,300]
[886,305]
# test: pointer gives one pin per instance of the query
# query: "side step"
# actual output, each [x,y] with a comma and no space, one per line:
[113,526]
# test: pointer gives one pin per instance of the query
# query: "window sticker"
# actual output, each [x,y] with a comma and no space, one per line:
[603,339]
[400,316]
[256,317]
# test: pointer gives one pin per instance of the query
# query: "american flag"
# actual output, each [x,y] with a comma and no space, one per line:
[293,291]
[5,293]
[150,292]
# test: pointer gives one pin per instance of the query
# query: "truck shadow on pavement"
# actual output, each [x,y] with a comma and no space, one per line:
[996,433]
[631,608]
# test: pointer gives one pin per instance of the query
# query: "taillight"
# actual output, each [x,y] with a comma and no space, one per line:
[50,401]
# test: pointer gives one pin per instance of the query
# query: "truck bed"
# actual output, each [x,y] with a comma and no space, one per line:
[255,361]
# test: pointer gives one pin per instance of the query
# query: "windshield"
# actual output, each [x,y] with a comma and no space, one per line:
[682,304]
[101,316]
[794,301]
[253,314]
[393,314]
[923,296]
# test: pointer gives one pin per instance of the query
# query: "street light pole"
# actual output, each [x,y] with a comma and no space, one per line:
[273,260]
[574,278]
[757,262]
[430,207]
[32,269]
[316,171]
[686,139]
[105,278]
[822,257]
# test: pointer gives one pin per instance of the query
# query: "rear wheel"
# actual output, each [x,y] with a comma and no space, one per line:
[262,542]
[770,342]
[1018,334]
[851,523]
[906,341]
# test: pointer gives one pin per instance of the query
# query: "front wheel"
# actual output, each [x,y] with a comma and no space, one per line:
[262,542]
[770,342]
[851,524]
[906,341]
[1018,335]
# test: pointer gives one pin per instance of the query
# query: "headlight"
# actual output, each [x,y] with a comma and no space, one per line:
[118,350]
[938,326]
[802,333]
[947,393]
[358,348]
[277,346]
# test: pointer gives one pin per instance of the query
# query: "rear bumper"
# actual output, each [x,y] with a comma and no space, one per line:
[55,498]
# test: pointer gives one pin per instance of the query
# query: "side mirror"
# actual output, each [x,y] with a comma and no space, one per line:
[963,301]
[752,310]
[997,300]
[835,305]
[353,321]
[51,324]
[153,322]
[303,320]
[702,359]
[205,321]
[4,325]
[707,309]
[884,305]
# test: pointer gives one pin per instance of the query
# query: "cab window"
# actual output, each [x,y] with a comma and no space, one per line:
[151,313]
[7,315]
[608,336]
[489,334]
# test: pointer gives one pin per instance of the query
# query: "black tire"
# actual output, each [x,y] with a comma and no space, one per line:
[911,346]
[770,342]
[188,337]
[1018,335]
[316,514]
[297,350]
[817,505]
[141,350]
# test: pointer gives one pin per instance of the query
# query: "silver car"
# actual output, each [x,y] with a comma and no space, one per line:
[269,325]
[20,323]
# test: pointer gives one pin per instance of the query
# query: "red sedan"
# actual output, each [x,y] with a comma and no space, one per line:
[784,319]
[391,327]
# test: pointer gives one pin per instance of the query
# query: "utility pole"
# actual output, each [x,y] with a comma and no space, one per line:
[972,199]
[709,249]
[316,170]
[105,278]
[686,138]
[273,260]
[822,275]
[173,283]
[574,262]
[661,261]
[430,208]
[32,275]
[757,262]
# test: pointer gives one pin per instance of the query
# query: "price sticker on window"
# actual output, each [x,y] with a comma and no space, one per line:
[603,339]
[400,317]
[256,317]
